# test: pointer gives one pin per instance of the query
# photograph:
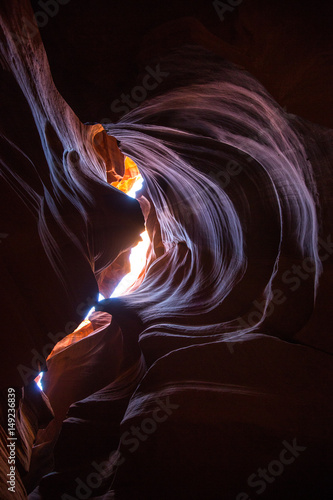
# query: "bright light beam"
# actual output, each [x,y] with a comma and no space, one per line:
[38,380]
[100,297]
[137,186]
[138,253]
[137,261]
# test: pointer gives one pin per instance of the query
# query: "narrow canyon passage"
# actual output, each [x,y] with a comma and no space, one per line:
[208,373]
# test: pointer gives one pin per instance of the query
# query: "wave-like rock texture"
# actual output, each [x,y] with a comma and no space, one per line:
[213,377]
[64,224]
[239,189]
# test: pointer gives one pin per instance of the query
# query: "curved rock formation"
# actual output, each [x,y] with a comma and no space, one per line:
[212,377]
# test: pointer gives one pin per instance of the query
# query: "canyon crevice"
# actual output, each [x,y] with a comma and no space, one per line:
[212,376]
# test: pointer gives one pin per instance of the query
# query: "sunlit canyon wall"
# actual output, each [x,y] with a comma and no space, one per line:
[212,376]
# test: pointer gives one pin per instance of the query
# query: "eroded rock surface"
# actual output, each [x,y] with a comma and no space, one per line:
[218,365]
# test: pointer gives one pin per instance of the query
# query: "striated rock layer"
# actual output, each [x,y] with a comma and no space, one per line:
[212,378]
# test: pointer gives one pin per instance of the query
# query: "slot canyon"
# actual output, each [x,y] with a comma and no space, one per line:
[166,250]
